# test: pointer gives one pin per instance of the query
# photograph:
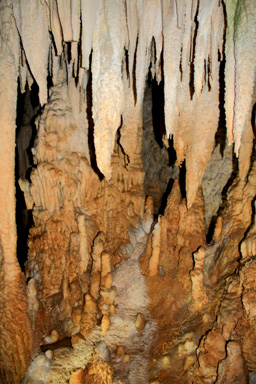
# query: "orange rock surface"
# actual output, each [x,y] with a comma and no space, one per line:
[139,265]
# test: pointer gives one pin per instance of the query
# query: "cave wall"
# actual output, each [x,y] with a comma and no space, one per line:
[143,279]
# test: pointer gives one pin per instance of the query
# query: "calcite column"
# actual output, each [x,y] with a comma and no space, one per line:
[15,336]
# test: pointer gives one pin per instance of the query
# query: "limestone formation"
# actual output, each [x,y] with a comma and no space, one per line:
[127,191]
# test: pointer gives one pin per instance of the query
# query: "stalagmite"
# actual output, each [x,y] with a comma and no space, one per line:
[197,277]
[97,250]
[84,251]
[33,303]
[105,324]
[106,276]
[39,369]
[89,316]
[24,186]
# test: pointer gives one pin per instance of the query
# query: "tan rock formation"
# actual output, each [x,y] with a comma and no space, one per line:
[140,259]
[89,316]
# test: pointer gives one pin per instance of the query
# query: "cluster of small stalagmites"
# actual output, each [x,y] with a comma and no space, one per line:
[63,187]
[214,349]
[90,300]
[99,301]
[173,244]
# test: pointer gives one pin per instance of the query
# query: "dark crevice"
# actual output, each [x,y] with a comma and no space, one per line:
[126,55]
[224,198]
[53,42]
[209,74]
[118,135]
[181,70]
[193,53]
[49,82]
[157,159]
[172,152]
[253,155]
[63,343]
[250,226]
[211,229]
[253,158]
[165,197]
[134,86]
[158,111]
[69,52]
[152,56]
[79,61]
[205,71]
[27,109]
[91,124]
[34,99]
[182,179]
[172,160]
[253,120]
[220,136]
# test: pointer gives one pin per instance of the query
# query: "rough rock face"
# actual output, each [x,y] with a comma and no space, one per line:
[137,271]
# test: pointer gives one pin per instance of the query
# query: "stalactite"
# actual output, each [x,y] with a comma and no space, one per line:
[133,30]
[245,66]
[56,26]
[203,41]
[139,294]
[192,35]
[107,86]
[230,68]
[32,22]
[89,12]
[150,25]
[64,9]
[75,19]
[172,51]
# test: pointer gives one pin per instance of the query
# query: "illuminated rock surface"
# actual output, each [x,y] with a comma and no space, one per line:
[129,254]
